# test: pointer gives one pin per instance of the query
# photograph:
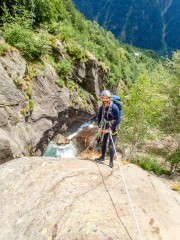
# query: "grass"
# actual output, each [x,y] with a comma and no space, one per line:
[3,49]
[150,165]
[176,186]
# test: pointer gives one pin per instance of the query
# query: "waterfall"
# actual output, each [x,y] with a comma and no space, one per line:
[66,150]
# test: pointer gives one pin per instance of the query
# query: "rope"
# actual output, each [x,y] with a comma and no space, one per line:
[91,142]
[127,192]
[114,204]
[126,188]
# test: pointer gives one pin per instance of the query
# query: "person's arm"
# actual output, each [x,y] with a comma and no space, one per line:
[115,111]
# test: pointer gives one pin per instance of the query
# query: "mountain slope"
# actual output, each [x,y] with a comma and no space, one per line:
[146,24]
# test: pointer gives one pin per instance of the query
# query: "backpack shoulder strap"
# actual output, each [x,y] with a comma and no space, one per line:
[110,109]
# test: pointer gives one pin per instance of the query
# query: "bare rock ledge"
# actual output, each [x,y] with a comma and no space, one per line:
[71,199]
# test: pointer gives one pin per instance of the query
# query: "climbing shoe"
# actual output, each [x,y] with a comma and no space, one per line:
[111,164]
[100,159]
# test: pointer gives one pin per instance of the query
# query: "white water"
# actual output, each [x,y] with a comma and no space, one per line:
[53,150]
[68,150]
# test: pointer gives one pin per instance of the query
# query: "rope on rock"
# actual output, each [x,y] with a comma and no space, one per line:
[127,192]
[126,189]
[114,205]
[91,142]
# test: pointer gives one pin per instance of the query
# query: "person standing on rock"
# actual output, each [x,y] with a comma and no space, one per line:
[108,122]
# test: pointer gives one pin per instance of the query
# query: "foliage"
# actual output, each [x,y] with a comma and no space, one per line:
[41,11]
[3,48]
[32,69]
[71,85]
[150,165]
[60,17]
[141,111]
[171,117]
[65,68]
[174,160]
[29,91]
[60,83]
[75,51]
[176,186]
[17,31]
[31,104]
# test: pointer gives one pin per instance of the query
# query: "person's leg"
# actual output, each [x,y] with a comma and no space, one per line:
[104,143]
[103,148]
[111,149]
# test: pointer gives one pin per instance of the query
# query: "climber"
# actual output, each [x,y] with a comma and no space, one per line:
[108,122]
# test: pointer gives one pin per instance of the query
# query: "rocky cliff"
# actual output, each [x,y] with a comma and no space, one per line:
[33,108]
[52,198]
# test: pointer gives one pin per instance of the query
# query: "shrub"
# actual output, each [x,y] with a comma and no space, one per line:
[71,85]
[176,186]
[150,165]
[24,40]
[32,69]
[21,84]
[75,51]
[174,160]
[17,31]
[3,49]
[65,68]
[29,91]
[31,104]
[60,83]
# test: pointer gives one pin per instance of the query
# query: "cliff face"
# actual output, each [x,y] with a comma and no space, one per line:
[32,111]
[146,24]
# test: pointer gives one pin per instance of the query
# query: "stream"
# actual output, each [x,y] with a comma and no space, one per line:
[67,150]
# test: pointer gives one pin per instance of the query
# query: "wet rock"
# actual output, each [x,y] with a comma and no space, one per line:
[86,138]
[61,140]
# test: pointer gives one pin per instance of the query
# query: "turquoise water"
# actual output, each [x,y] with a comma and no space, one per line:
[67,150]
[53,150]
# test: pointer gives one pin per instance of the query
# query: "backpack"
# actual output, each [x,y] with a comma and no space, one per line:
[116,100]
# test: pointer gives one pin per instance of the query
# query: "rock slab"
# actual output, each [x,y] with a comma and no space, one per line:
[53,198]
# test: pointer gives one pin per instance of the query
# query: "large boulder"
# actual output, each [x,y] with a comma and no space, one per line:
[86,139]
[55,198]
[61,140]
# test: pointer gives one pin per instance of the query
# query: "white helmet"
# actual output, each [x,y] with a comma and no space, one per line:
[105,93]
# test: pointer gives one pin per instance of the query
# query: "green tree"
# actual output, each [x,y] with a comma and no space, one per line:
[141,112]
